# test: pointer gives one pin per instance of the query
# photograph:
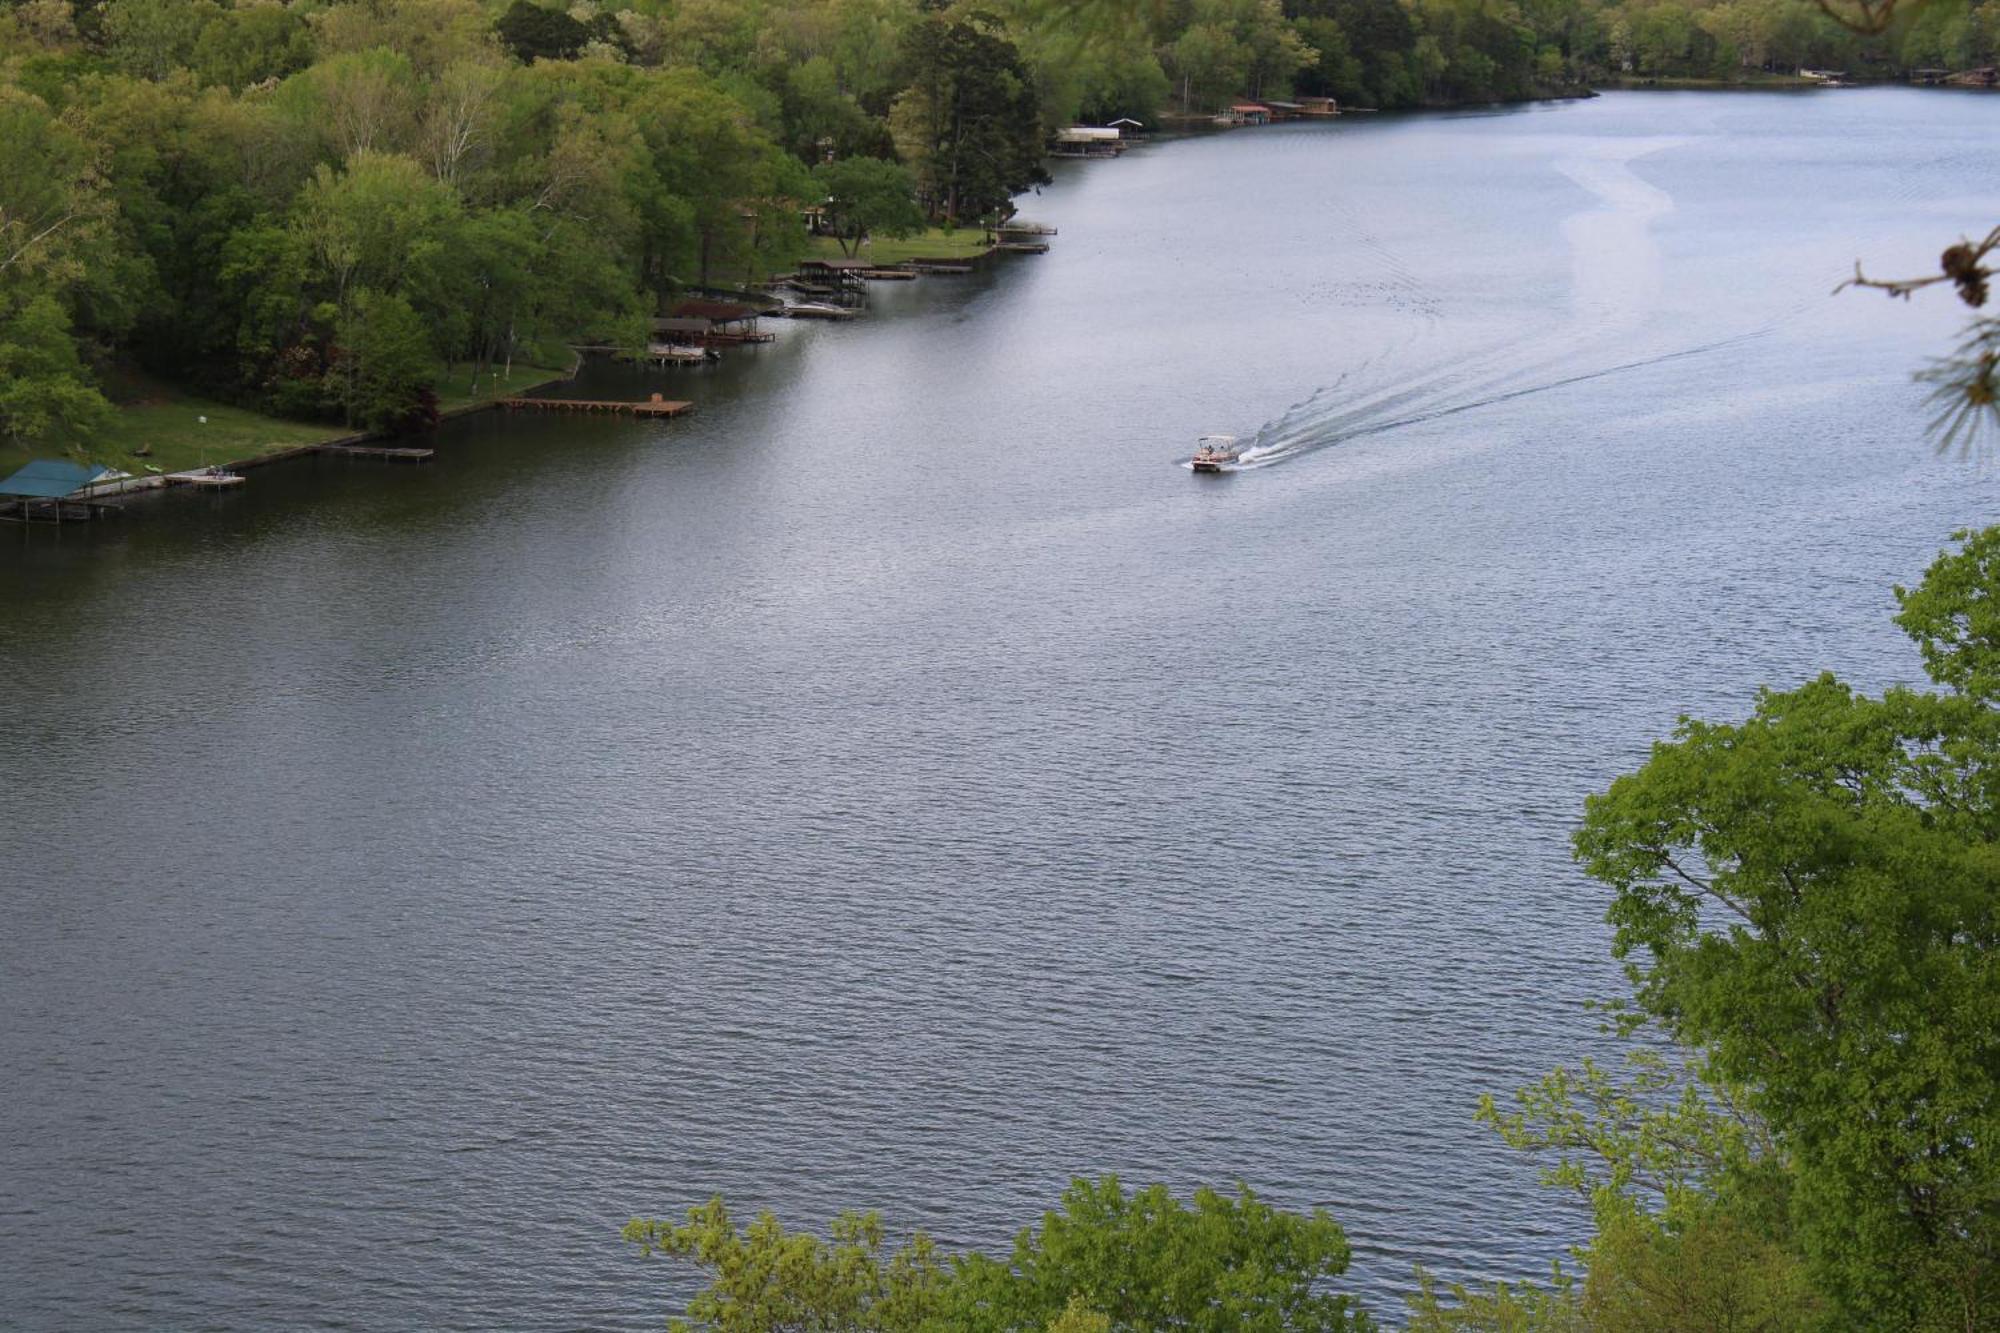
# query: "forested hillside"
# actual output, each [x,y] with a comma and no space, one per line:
[319,209]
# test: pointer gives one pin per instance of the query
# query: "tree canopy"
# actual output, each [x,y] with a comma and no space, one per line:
[191,186]
[866,196]
[1106,1261]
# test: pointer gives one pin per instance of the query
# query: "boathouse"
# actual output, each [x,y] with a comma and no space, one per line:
[729,323]
[835,270]
[685,329]
[1249,113]
[46,489]
[1087,141]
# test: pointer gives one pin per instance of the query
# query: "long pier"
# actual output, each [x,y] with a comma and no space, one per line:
[655,407]
[379,451]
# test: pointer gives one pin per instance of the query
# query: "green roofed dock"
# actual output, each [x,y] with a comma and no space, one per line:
[49,490]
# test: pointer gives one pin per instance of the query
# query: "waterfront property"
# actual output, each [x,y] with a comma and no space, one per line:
[831,277]
[392,836]
[730,323]
[1087,141]
[47,490]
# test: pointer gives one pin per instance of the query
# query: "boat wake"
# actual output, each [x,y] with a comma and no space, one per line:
[1617,277]
[1329,417]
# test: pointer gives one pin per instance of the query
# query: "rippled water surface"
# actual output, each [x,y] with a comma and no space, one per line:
[903,784]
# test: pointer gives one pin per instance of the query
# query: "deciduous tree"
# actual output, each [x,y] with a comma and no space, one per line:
[867,196]
[1813,896]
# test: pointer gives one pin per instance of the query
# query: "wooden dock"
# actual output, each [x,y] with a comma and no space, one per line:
[940,266]
[393,455]
[889,274]
[211,479]
[654,407]
[67,509]
[1024,247]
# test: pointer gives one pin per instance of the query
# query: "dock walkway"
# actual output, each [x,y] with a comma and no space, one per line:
[379,451]
[212,479]
[655,407]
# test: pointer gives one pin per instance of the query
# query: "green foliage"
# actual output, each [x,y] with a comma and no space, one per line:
[55,241]
[153,38]
[1813,896]
[1147,1261]
[1078,1317]
[764,1278]
[969,122]
[1709,1265]
[1108,1262]
[1503,1307]
[1689,1191]
[1656,1129]
[44,394]
[225,174]
[534,32]
[382,363]
[866,196]
[241,47]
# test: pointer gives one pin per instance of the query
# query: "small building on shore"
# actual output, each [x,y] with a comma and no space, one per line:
[52,489]
[1087,141]
[730,323]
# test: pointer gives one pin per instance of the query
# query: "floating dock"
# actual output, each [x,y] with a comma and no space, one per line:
[656,406]
[205,478]
[380,451]
[676,354]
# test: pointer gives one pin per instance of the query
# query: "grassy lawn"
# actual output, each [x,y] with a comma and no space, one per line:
[937,243]
[155,415]
[453,387]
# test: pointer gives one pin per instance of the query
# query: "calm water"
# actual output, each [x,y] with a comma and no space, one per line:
[902,784]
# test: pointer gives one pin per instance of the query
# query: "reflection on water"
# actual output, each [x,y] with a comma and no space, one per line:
[897,784]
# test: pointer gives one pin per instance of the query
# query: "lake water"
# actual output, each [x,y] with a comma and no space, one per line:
[902,784]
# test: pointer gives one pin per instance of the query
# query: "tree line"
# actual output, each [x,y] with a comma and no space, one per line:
[322,208]
[319,210]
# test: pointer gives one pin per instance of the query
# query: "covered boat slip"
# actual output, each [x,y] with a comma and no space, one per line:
[53,490]
[713,323]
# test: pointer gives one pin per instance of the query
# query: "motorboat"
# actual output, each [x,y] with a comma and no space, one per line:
[815,310]
[1212,451]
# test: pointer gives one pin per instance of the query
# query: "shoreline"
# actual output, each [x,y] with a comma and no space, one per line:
[286,451]
[1175,124]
